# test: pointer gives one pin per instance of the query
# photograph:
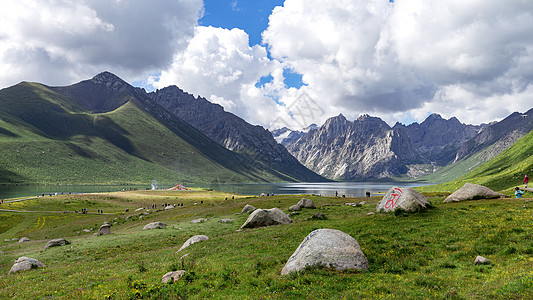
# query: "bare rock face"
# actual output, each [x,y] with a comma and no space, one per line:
[173,276]
[154,225]
[405,199]
[266,217]
[56,242]
[471,191]
[192,240]
[248,209]
[25,263]
[329,248]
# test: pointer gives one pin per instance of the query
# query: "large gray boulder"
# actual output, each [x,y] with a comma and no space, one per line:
[247,209]
[471,191]
[104,229]
[192,240]
[306,203]
[405,199]
[56,243]
[154,225]
[25,263]
[329,248]
[266,217]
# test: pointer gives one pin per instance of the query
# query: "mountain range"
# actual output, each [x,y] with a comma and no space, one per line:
[436,150]
[104,130]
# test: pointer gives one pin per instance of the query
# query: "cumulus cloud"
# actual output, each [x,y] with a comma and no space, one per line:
[58,42]
[466,58]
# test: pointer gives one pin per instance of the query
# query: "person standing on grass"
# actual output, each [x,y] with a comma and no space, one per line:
[526,180]
[518,193]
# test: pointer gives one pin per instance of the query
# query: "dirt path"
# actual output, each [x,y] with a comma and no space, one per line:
[53,212]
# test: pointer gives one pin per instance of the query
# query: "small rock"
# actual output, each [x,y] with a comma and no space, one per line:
[25,263]
[319,216]
[140,208]
[350,204]
[295,207]
[7,240]
[370,213]
[24,239]
[192,240]
[248,209]
[480,260]
[154,225]
[56,242]
[201,220]
[225,220]
[104,229]
[361,203]
[86,230]
[14,239]
[169,207]
[128,217]
[173,276]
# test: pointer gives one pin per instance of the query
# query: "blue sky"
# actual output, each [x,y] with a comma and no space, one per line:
[399,61]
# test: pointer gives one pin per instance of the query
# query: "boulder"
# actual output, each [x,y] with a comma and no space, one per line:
[266,217]
[86,230]
[248,209]
[225,220]
[25,263]
[405,199]
[306,203]
[169,207]
[471,191]
[24,239]
[480,260]
[173,276]
[14,239]
[295,207]
[329,248]
[192,240]
[201,220]
[154,225]
[104,229]
[7,240]
[56,242]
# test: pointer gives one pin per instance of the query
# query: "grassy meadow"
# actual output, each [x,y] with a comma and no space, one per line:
[426,255]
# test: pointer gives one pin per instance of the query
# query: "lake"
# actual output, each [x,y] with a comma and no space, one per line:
[350,189]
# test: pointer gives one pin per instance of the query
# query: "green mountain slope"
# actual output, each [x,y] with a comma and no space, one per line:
[505,171]
[48,137]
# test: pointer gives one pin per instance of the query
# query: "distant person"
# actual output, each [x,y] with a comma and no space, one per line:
[526,180]
[518,193]
[368,194]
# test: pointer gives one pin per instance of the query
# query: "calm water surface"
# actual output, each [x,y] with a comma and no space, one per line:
[350,189]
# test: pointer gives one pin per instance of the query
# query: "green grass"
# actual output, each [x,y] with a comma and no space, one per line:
[504,172]
[426,255]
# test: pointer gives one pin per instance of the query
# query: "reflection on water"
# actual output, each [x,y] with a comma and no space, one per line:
[349,189]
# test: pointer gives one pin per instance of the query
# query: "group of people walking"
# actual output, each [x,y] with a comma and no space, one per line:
[518,192]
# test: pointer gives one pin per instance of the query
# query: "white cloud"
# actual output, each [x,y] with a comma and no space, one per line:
[466,58]
[59,42]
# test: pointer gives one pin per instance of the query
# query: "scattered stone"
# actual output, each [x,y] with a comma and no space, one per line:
[14,239]
[201,220]
[1,252]
[169,207]
[405,199]
[319,216]
[95,234]
[329,248]
[266,217]
[107,223]
[104,229]
[173,276]
[56,242]
[471,191]
[140,208]
[7,240]
[25,263]
[128,217]
[306,203]
[24,239]
[295,207]
[350,204]
[192,240]
[86,230]
[225,220]
[361,203]
[248,209]
[480,260]
[370,213]
[154,225]
[140,217]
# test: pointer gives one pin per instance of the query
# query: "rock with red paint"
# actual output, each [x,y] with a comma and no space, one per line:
[405,199]
[329,248]
[471,191]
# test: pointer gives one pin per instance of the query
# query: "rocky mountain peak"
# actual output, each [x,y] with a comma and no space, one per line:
[110,80]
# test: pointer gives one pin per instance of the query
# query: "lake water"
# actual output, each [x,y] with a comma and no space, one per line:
[350,189]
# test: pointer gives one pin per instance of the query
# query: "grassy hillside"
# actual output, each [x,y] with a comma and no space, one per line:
[47,137]
[505,171]
[416,256]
